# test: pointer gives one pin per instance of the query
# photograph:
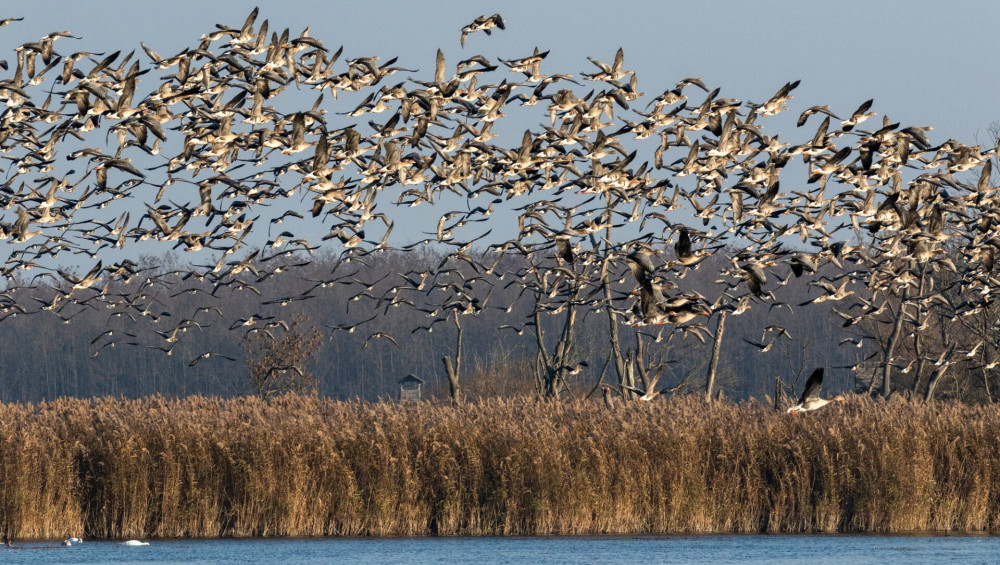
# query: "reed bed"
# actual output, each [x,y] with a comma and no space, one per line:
[304,466]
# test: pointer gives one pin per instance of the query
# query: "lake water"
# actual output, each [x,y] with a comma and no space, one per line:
[815,549]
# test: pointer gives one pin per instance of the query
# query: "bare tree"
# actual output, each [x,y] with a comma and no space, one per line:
[716,349]
[279,364]
[453,370]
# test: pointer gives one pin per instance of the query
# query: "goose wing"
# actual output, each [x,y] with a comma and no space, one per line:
[683,245]
[813,386]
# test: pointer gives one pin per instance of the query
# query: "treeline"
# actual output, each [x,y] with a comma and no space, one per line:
[141,339]
[303,466]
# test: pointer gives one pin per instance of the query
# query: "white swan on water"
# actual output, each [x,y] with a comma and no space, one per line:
[134,542]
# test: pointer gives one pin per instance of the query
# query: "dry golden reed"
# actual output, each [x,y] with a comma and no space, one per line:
[303,466]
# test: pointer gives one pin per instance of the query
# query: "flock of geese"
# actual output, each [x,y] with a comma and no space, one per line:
[610,181]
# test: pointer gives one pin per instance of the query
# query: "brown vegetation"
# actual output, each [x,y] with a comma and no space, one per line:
[277,365]
[304,466]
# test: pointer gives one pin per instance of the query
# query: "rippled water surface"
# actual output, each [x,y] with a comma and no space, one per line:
[855,550]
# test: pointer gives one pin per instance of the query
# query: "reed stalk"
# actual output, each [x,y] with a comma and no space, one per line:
[305,466]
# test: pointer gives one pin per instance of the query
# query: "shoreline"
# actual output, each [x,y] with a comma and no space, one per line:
[55,543]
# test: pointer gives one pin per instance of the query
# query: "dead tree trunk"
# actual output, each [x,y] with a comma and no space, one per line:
[616,348]
[890,346]
[554,367]
[564,350]
[932,383]
[919,318]
[942,366]
[453,371]
[716,348]
[456,394]
[986,382]
[779,393]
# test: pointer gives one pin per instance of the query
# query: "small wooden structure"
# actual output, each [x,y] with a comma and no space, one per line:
[409,388]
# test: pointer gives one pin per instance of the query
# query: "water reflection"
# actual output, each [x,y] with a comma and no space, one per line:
[816,549]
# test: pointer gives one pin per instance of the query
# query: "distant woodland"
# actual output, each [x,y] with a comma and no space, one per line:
[46,356]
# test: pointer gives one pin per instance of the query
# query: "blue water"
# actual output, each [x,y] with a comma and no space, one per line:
[815,549]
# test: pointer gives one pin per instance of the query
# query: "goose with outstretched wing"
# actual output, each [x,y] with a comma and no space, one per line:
[810,399]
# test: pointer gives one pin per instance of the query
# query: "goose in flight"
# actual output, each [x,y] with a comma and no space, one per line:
[685,255]
[646,395]
[482,23]
[777,103]
[653,308]
[859,115]
[810,399]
